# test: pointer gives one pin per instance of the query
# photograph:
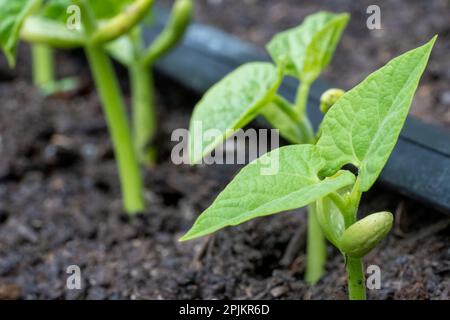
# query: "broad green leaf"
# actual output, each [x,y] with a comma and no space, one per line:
[12,15]
[307,49]
[362,128]
[231,104]
[253,194]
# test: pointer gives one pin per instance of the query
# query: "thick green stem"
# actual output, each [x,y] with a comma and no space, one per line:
[316,243]
[144,122]
[302,99]
[356,279]
[306,129]
[51,33]
[355,270]
[116,117]
[122,23]
[43,65]
[173,32]
[316,249]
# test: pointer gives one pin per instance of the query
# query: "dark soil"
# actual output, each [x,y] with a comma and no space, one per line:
[60,206]
[406,24]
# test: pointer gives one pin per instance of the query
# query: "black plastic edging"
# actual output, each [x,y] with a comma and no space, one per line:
[420,164]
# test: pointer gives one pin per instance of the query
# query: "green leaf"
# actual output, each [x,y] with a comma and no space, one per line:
[231,104]
[122,50]
[55,10]
[12,15]
[253,194]
[362,128]
[102,9]
[307,49]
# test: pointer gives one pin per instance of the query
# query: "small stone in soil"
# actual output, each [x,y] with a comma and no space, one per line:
[10,291]
[445,98]
[279,291]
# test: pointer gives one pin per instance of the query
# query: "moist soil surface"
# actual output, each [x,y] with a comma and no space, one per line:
[60,206]
[405,24]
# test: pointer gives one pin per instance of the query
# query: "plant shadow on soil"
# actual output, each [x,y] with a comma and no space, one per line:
[60,205]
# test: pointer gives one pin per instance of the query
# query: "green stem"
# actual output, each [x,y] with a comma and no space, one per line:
[302,121]
[356,279]
[355,271]
[116,117]
[180,18]
[43,65]
[306,129]
[338,201]
[316,249]
[51,33]
[114,108]
[350,212]
[316,252]
[144,122]
[122,23]
[302,99]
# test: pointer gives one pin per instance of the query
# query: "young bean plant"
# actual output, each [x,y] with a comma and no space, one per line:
[130,51]
[102,22]
[360,128]
[302,52]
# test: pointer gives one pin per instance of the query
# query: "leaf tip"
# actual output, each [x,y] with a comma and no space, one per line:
[187,236]
[433,40]
[430,44]
[345,16]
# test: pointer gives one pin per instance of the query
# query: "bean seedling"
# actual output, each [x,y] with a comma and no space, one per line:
[302,52]
[360,129]
[129,50]
[102,22]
